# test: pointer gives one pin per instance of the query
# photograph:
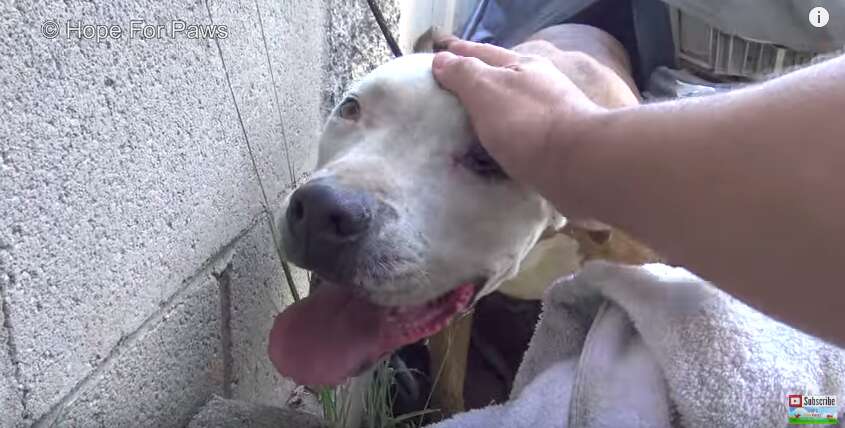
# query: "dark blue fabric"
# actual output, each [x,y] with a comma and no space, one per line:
[653,34]
[509,22]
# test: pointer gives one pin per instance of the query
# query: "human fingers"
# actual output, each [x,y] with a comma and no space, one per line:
[490,54]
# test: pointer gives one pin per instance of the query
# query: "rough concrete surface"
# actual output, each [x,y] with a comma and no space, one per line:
[277,85]
[124,171]
[222,413]
[258,292]
[160,378]
[11,408]
[355,45]
[125,177]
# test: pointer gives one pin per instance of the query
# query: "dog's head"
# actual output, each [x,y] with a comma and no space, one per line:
[406,219]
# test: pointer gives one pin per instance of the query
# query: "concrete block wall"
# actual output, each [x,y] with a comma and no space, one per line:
[138,180]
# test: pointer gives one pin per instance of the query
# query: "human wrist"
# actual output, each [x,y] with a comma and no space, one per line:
[574,156]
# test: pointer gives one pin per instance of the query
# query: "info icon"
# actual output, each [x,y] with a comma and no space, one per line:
[819,17]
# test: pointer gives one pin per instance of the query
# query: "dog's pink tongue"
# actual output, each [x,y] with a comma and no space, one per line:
[327,337]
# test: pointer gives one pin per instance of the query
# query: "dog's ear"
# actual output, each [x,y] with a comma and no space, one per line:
[555,226]
[597,231]
[589,224]
[433,40]
[597,240]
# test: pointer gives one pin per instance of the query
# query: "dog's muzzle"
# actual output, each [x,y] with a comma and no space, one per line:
[327,223]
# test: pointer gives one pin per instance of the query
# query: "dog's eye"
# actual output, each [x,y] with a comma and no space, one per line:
[477,160]
[350,109]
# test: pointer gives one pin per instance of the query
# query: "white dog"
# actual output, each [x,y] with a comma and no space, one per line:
[406,218]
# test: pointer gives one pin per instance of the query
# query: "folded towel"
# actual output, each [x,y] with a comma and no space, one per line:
[656,346]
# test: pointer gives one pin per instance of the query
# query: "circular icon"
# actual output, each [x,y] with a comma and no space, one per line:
[50,29]
[819,17]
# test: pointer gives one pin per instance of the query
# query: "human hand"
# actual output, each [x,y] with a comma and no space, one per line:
[517,105]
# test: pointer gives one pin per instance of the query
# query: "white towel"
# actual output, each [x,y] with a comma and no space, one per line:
[656,346]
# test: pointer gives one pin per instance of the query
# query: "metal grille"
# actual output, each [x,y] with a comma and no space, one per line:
[721,55]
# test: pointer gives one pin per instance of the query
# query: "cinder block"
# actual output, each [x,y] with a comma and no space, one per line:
[258,292]
[274,57]
[161,377]
[222,413]
[11,407]
[123,170]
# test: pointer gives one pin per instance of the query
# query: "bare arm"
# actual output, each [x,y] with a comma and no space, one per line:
[747,189]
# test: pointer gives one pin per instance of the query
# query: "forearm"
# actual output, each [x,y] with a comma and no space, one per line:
[746,189]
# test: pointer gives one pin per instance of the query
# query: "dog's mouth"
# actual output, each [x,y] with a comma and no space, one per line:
[335,334]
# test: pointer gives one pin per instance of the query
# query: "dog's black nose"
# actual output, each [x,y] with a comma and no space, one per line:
[325,219]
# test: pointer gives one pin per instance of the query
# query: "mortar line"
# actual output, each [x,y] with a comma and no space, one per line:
[12,351]
[206,269]
[276,95]
[224,279]
[266,201]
